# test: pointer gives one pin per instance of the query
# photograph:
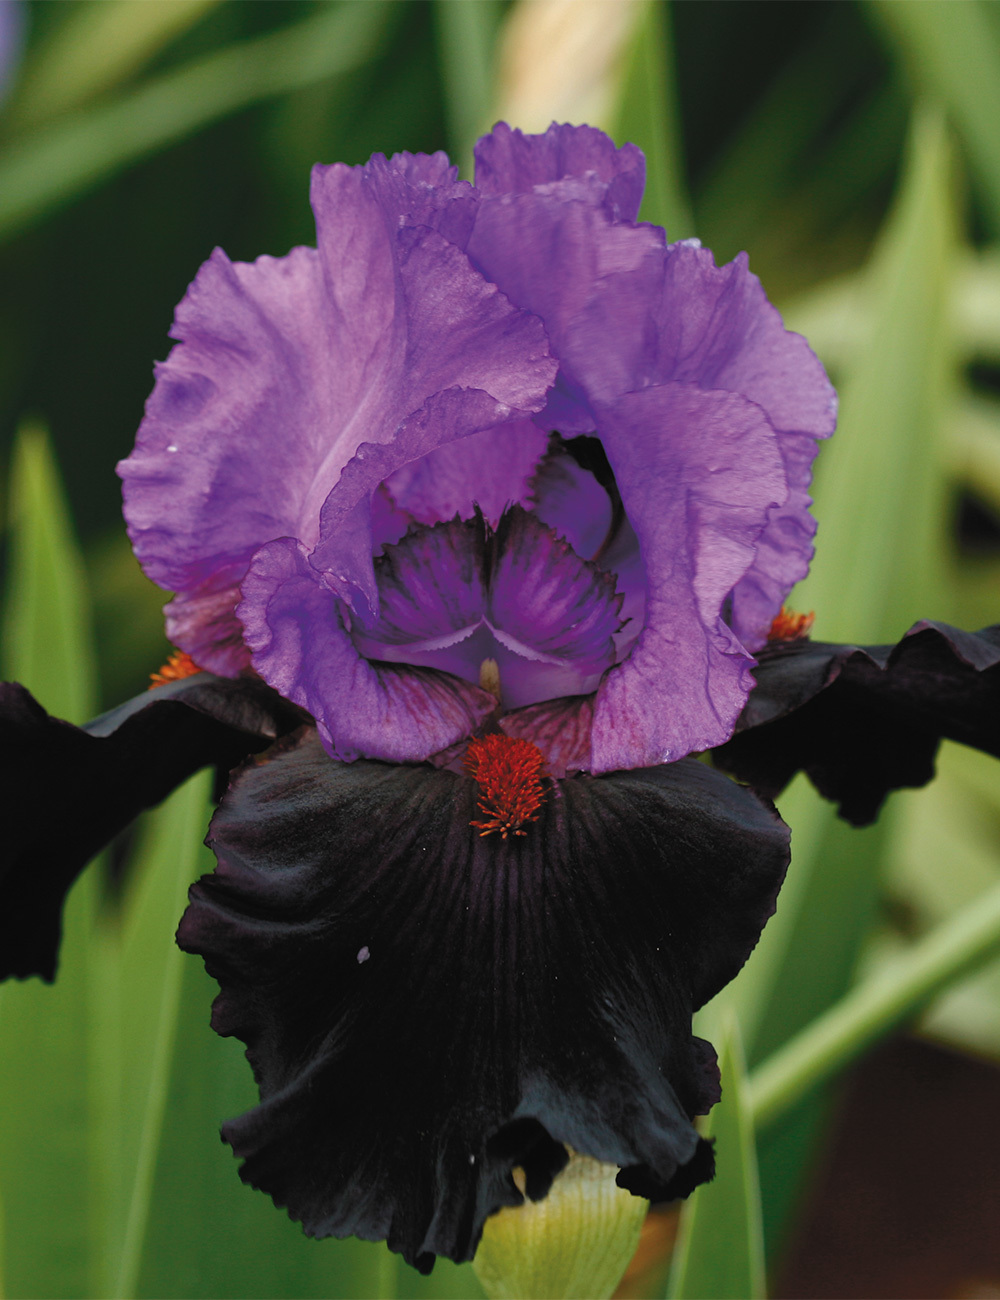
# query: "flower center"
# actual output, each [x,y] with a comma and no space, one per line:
[509,773]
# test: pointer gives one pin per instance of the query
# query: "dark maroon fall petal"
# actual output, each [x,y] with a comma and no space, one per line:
[69,790]
[425,1008]
[861,721]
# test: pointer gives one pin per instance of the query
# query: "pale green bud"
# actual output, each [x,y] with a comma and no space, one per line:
[573,1245]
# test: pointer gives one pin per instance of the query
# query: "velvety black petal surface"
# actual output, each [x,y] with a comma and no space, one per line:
[67,791]
[425,1008]
[863,720]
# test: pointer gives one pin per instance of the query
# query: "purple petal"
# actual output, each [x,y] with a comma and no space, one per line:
[559,728]
[286,367]
[509,161]
[491,470]
[625,312]
[244,390]
[694,322]
[569,499]
[472,360]
[408,189]
[431,585]
[548,604]
[697,499]
[204,623]
[295,630]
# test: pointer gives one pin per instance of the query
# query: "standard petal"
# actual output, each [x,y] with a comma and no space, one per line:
[491,471]
[249,385]
[424,1008]
[624,312]
[508,161]
[69,790]
[697,497]
[295,630]
[294,363]
[863,720]
[473,362]
[688,321]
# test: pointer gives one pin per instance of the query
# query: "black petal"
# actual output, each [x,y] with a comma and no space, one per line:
[424,1008]
[68,790]
[863,720]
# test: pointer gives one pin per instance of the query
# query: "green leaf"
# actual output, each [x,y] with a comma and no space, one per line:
[876,1006]
[208,1235]
[466,35]
[45,636]
[46,1173]
[149,972]
[96,46]
[46,1159]
[953,54]
[720,1245]
[49,167]
[647,114]
[880,483]
[879,565]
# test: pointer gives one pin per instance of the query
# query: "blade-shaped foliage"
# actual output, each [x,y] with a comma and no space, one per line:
[647,115]
[46,1171]
[720,1247]
[879,563]
[41,171]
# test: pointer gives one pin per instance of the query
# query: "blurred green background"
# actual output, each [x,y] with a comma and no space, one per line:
[854,150]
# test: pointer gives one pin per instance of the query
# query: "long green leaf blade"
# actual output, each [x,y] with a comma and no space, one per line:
[953,54]
[150,973]
[720,1247]
[49,167]
[647,114]
[466,35]
[96,46]
[46,636]
[952,949]
[45,1156]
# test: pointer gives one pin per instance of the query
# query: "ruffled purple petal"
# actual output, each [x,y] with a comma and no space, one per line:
[490,470]
[625,312]
[295,629]
[698,499]
[508,161]
[479,361]
[287,367]
[571,501]
[424,1009]
[693,322]
[204,624]
[238,425]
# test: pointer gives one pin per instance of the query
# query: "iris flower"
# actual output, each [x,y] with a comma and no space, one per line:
[477,517]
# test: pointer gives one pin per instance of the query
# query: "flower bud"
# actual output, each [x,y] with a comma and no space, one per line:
[576,1242]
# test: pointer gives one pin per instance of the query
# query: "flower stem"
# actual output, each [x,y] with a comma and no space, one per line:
[868,1011]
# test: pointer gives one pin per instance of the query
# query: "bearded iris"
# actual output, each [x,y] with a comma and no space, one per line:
[502,492]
